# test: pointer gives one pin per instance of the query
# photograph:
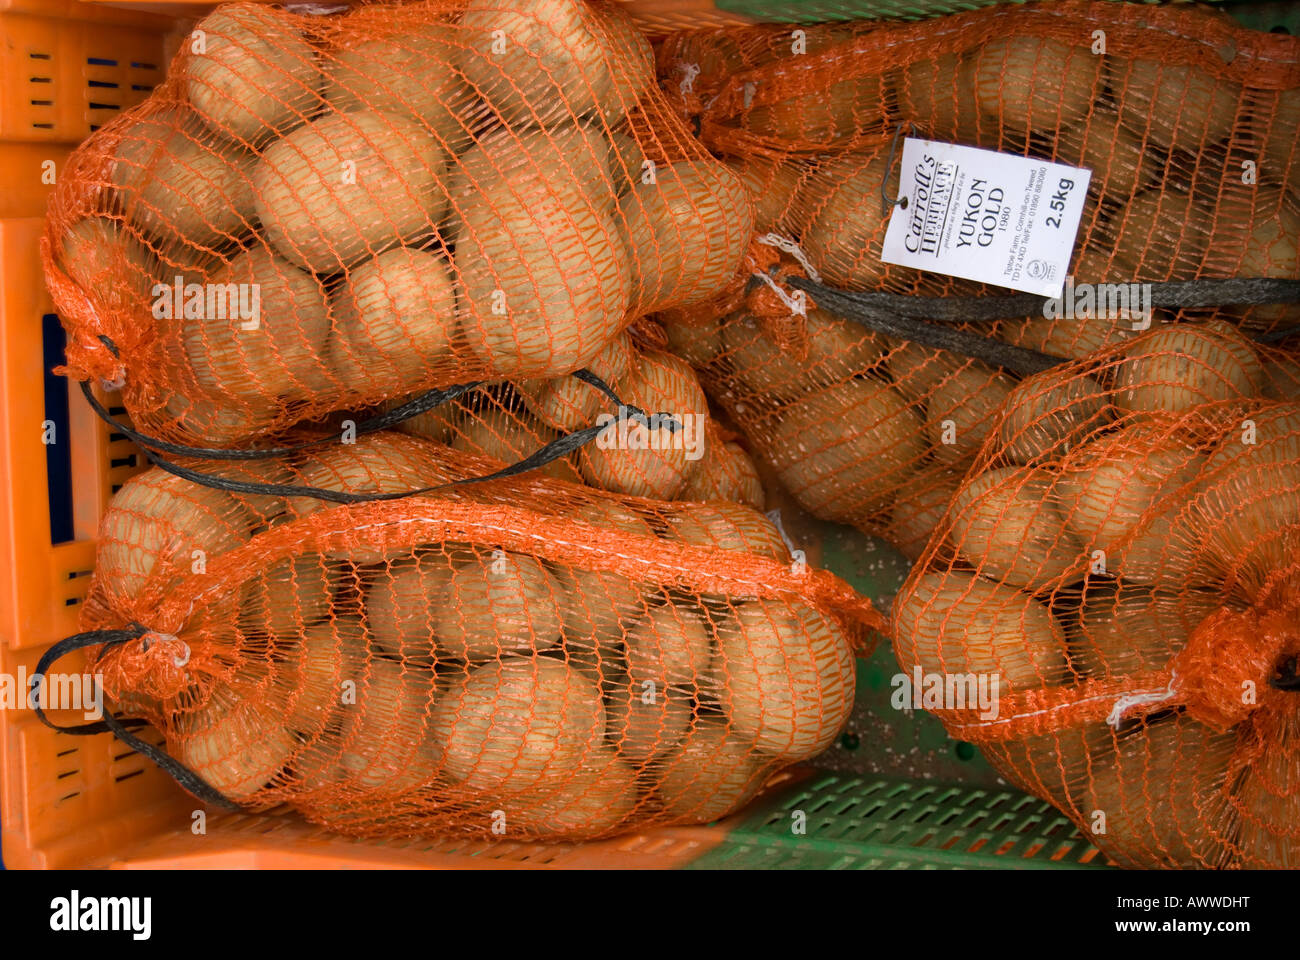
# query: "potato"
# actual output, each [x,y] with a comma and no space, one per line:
[1158,235]
[545,61]
[280,352]
[266,509]
[233,744]
[378,463]
[347,186]
[671,645]
[598,798]
[771,184]
[645,719]
[406,70]
[918,510]
[1049,413]
[843,451]
[1266,801]
[512,725]
[1282,378]
[1095,264]
[288,596]
[531,160]
[1174,104]
[388,742]
[633,61]
[653,462]
[178,183]
[917,371]
[933,93]
[725,473]
[1181,366]
[728,526]
[399,610]
[787,677]
[1121,483]
[845,229]
[695,337]
[711,774]
[955,622]
[1071,339]
[963,409]
[834,351]
[568,404]
[1268,250]
[157,523]
[491,607]
[256,75]
[99,255]
[1135,631]
[316,665]
[435,424]
[508,437]
[1025,83]
[1245,516]
[602,604]
[1281,133]
[1007,523]
[687,232]
[1053,766]
[1160,791]
[545,280]
[394,317]
[1121,164]
[839,112]
[225,422]
[628,162]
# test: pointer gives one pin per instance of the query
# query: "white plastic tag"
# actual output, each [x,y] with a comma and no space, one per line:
[986,216]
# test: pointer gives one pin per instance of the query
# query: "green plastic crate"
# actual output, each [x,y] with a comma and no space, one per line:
[875,823]
[1282,16]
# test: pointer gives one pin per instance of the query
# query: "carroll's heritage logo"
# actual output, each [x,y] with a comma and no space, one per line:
[75,913]
[931,197]
[179,300]
[632,430]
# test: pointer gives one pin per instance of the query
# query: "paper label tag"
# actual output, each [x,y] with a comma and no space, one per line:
[981,215]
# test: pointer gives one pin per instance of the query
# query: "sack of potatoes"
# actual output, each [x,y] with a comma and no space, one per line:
[316,213]
[660,440]
[877,431]
[1119,569]
[1193,160]
[523,657]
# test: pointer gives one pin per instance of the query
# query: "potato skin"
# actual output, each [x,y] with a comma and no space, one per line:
[347,186]
[257,75]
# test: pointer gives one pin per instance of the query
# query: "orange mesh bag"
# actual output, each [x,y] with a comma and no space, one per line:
[316,213]
[520,657]
[865,421]
[1108,605]
[639,423]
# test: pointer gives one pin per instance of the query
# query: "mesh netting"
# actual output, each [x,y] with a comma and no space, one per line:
[1187,121]
[521,657]
[1119,571]
[317,213]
